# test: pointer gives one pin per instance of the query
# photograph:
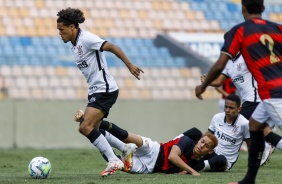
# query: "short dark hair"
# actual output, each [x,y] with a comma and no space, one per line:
[71,16]
[234,98]
[253,6]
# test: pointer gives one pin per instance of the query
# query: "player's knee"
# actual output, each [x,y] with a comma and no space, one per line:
[193,133]
[85,128]
[218,163]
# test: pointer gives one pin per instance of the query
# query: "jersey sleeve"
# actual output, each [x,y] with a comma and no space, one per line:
[246,132]
[212,124]
[225,71]
[94,42]
[232,41]
[185,143]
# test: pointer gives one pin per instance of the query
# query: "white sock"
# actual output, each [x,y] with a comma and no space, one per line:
[114,142]
[104,147]
[207,166]
[279,145]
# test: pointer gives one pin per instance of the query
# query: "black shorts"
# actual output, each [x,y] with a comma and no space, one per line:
[248,108]
[102,101]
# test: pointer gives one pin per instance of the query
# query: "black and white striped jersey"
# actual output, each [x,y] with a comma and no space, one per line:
[242,78]
[230,136]
[90,59]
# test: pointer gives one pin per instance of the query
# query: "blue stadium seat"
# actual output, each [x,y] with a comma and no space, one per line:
[14,40]
[36,41]
[19,50]
[25,41]
[23,61]
[231,7]
[4,40]
[46,41]
[8,50]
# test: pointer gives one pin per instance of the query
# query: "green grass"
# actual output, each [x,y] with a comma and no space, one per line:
[84,166]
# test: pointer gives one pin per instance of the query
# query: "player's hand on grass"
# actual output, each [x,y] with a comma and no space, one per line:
[183,172]
[195,173]
[78,115]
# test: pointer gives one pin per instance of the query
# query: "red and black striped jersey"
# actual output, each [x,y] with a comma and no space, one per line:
[228,86]
[186,146]
[260,42]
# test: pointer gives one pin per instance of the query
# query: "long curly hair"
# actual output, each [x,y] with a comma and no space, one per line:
[71,16]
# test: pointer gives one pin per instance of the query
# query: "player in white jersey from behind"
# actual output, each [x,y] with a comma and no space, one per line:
[246,86]
[88,53]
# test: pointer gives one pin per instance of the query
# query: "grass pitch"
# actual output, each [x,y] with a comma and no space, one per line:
[83,166]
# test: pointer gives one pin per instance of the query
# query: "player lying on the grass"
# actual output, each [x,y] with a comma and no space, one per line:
[230,127]
[181,155]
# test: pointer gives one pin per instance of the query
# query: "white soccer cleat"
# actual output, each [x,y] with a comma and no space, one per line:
[268,150]
[127,155]
[243,148]
[112,166]
[79,114]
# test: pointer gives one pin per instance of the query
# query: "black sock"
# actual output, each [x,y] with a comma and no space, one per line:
[81,120]
[273,138]
[194,134]
[93,135]
[255,154]
[113,129]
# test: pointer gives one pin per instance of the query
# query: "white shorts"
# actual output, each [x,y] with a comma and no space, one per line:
[270,111]
[145,157]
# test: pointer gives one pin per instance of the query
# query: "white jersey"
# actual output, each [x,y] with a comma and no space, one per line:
[243,80]
[91,60]
[230,136]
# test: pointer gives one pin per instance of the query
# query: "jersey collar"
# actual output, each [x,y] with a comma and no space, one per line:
[233,123]
[77,36]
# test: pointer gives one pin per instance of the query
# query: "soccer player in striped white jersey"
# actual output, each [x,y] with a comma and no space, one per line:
[246,85]
[87,49]
[231,129]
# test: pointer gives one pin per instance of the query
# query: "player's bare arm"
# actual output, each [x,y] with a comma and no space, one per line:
[221,91]
[214,72]
[134,70]
[217,82]
[174,157]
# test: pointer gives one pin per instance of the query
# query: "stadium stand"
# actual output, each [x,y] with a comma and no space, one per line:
[36,64]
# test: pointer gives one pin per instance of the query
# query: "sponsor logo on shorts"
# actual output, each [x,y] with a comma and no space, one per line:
[92,99]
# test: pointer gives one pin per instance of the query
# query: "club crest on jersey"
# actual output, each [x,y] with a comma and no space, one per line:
[239,66]
[235,129]
[79,50]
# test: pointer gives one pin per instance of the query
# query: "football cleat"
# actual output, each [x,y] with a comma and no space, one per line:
[268,150]
[127,156]
[112,166]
